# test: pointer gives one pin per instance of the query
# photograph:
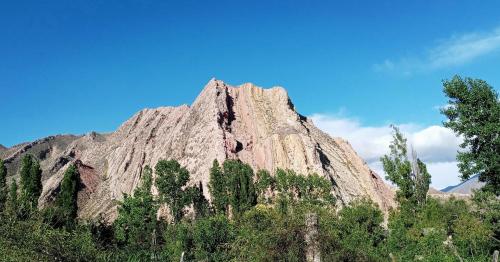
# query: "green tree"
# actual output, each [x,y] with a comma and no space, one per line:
[410,175]
[211,238]
[487,207]
[12,203]
[200,203]
[136,222]
[32,240]
[473,111]
[3,185]
[31,183]
[311,189]
[317,190]
[439,231]
[360,232]
[218,189]
[171,183]
[178,241]
[264,185]
[265,234]
[241,188]
[65,211]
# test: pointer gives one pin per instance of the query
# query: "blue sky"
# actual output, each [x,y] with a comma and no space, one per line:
[79,66]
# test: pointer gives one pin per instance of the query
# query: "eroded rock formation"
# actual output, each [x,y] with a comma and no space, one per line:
[259,126]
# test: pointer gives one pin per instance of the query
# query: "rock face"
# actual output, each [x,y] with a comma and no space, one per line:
[45,150]
[258,126]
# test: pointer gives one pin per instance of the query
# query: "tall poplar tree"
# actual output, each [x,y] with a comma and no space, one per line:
[200,203]
[242,195]
[31,183]
[407,172]
[66,201]
[12,202]
[218,189]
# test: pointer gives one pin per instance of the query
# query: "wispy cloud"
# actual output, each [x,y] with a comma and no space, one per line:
[455,51]
[435,145]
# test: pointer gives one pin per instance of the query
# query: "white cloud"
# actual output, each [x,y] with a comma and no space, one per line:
[454,51]
[443,174]
[435,145]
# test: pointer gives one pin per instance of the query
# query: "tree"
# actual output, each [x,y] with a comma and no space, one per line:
[487,208]
[31,183]
[473,111]
[12,203]
[200,203]
[218,189]
[211,238]
[265,183]
[66,207]
[171,183]
[311,189]
[411,177]
[241,188]
[136,220]
[439,231]
[3,185]
[361,233]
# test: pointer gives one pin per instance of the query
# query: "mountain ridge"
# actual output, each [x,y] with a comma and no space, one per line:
[258,126]
[465,187]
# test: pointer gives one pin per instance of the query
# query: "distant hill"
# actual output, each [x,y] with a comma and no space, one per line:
[465,187]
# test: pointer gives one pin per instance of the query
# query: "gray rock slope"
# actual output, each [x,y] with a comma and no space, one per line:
[465,187]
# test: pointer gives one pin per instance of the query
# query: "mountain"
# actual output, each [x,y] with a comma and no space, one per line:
[465,187]
[258,126]
[45,150]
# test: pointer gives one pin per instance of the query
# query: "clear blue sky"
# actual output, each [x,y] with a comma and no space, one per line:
[78,66]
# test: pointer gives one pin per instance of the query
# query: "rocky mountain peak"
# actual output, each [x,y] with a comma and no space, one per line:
[256,125]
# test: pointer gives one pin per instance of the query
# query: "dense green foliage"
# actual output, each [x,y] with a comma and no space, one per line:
[136,220]
[264,186]
[205,239]
[240,186]
[440,231]
[273,230]
[487,209]
[355,234]
[311,189]
[31,184]
[11,205]
[218,189]
[33,240]
[232,187]
[473,111]
[171,182]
